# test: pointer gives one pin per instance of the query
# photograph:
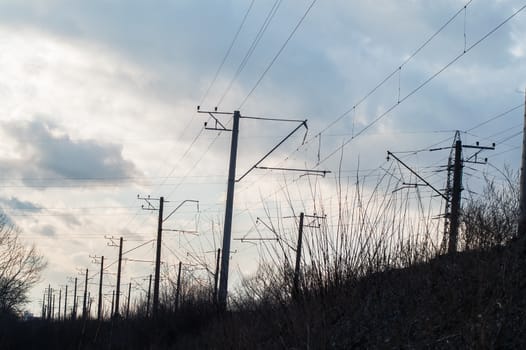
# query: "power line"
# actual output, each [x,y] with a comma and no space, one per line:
[227,53]
[252,47]
[278,53]
[389,76]
[421,85]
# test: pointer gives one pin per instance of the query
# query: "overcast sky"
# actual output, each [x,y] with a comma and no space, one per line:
[99,104]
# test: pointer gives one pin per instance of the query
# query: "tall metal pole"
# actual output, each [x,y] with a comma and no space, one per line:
[44,305]
[118,292]
[84,305]
[74,310]
[158,258]
[295,290]
[53,308]
[112,301]
[148,298]
[227,233]
[216,275]
[177,291]
[65,301]
[128,306]
[521,231]
[49,302]
[455,199]
[99,308]
[59,303]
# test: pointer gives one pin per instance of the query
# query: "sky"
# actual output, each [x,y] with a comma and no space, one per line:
[99,105]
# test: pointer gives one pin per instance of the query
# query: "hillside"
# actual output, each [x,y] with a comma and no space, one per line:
[470,300]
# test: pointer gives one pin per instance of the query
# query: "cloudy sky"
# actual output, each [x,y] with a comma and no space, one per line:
[99,104]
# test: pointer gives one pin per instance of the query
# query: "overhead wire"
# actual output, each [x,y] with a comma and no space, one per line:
[277,54]
[227,53]
[423,84]
[251,49]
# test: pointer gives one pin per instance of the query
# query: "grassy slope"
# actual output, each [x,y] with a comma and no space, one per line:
[473,300]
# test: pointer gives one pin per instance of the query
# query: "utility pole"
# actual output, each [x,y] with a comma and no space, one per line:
[455,199]
[216,275]
[452,195]
[118,292]
[158,259]
[84,305]
[128,304]
[88,310]
[521,232]
[148,298]
[160,221]
[112,302]
[227,231]
[65,301]
[177,291]
[53,308]
[99,308]
[74,311]
[297,269]
[49,302]
[295,291]
[59,303]
[43,315]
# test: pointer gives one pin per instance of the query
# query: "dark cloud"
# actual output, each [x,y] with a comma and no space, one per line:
[71,220]
[48,230]
[15,203]
[49,153]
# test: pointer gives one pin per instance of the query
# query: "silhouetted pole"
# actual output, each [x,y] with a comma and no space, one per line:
[43,305]
[112,301]
[295,290]
[59,303]
[455,198]
[158,259]
[148,298]
[118,291]
[522,196]
[74,310]
[65,301]
[128,306]
[49,302]
[227,232]
[177,291]
[84,305]
[216,275]
[53,307]
[88,310]
[99,308]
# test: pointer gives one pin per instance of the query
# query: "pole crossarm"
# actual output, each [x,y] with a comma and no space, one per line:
[180,205]
[306,171]
[148,200]
[248,239]
[390,154]
[302,123]
[218,125]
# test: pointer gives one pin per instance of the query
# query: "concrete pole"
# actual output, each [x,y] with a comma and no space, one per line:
[455,199]
[158,259]
[99,307]
[177,291]
[118,287]
[521,230]
[84,303]
[227,232]
[296,286]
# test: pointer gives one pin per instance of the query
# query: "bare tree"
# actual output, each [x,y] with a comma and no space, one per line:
[491,219]
[20,267]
